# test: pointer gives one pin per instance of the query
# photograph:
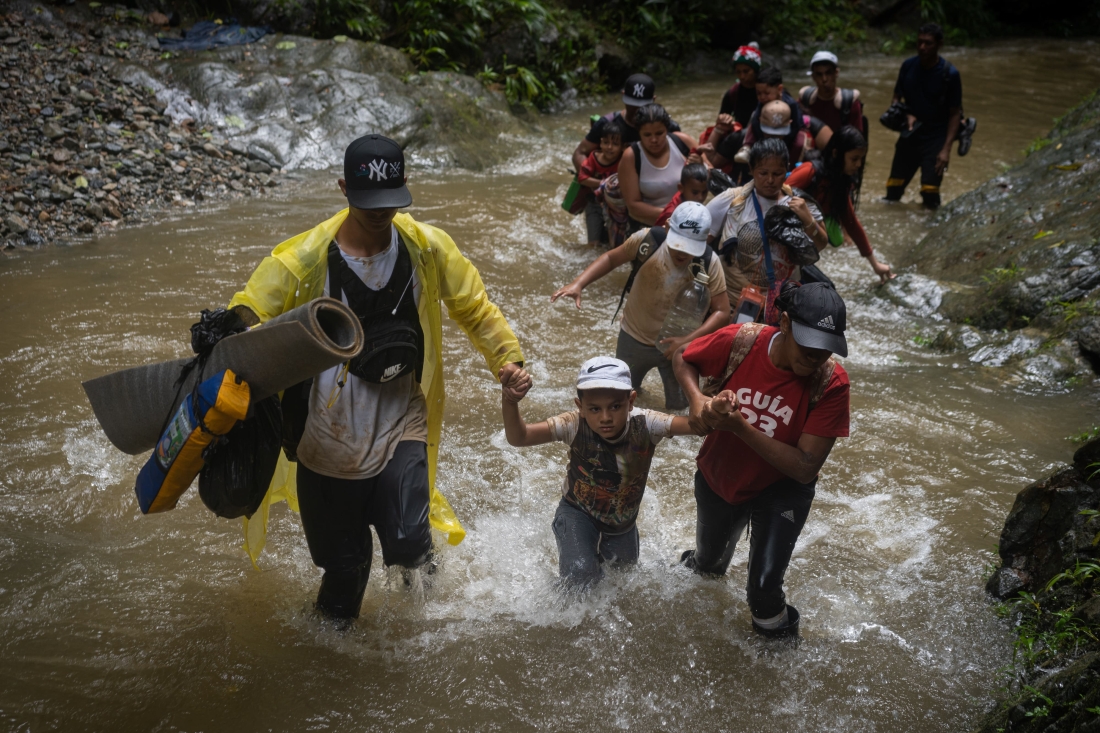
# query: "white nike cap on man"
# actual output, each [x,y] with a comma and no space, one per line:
[604,372]
[688,228]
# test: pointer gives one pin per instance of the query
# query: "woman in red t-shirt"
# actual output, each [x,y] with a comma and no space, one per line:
[771,426]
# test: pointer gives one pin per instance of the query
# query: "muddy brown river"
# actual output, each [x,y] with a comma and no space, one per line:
[110,620]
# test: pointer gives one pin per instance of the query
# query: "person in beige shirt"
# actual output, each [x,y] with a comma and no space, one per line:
[663,273]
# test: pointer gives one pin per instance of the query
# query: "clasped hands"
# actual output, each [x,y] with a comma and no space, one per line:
[721,412]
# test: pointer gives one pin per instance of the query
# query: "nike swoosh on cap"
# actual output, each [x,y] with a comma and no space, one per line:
[601,366]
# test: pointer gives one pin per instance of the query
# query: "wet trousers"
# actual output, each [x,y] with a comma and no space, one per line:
[641,358]
[594,222]
[337,515]
[917,151]
[582,548]
[775,519]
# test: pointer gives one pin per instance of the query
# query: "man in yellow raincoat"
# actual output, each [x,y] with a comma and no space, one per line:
[367,455]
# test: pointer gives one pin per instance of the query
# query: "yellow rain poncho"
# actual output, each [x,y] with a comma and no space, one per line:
[295,274]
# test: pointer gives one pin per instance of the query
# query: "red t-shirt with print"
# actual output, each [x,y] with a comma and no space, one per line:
[775,402]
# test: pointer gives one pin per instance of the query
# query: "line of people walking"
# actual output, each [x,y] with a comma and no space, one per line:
[724,300]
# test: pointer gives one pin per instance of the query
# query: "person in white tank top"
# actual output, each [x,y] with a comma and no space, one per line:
[648,184]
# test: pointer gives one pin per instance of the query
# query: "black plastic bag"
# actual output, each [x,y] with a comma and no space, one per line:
[239,467]
[895,117]
[718,182]
[811,274]
[784,227]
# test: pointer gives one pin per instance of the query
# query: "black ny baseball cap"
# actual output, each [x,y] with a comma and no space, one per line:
[374,172]
[818,318]
[638,90]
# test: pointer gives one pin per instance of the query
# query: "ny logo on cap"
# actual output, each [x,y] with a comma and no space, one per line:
[379,170]
[639,90]
[690,224]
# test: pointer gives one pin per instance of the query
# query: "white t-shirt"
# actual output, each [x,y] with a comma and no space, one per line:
[719,206]
[356,437]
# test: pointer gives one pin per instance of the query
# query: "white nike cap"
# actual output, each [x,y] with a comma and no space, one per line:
[604,372]
[688,228]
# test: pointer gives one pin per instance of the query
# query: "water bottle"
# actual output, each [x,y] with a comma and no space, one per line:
[688,310]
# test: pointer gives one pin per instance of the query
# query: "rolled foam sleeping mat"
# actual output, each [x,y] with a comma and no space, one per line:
[132,405]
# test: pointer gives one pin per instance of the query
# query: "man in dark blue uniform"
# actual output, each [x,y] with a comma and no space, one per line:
[931,90]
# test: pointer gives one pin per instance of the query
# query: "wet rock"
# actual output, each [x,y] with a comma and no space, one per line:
[1045,531]
[15,224]
[52,130]
[1064,701]
[1088,338]
[258,166]
[303,107]
[1022,248]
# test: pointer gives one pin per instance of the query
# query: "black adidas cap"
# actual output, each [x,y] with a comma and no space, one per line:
[374,171]
[638,90]
[818,318]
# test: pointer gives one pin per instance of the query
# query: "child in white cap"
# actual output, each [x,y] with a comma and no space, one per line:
[611,445]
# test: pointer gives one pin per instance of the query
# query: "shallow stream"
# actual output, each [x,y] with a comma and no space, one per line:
[114,620]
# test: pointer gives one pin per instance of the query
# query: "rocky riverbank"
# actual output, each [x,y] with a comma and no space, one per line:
[1020,255]
[100,127]
[1048,580]
[82,148]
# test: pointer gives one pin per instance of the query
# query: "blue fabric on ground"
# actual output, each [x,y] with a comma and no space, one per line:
[207,34]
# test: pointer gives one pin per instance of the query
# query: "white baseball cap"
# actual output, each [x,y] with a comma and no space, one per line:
[824,57]
[604,372]
[688,228]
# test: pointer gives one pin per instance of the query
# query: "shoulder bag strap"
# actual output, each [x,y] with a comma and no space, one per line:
[769,268]
[739,349]
[652,241]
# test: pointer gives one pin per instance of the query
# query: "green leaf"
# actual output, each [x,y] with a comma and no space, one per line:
[340,39]
[93,5]
[80,182]
[123,45]
[286,45]
[234,121]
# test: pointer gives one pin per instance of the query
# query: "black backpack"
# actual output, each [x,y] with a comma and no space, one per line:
[637,148]
[652,242]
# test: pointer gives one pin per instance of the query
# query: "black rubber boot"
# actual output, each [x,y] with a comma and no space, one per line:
[787,631]
[341,593]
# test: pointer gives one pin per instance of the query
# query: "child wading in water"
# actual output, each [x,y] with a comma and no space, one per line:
[610,448]
[601,164]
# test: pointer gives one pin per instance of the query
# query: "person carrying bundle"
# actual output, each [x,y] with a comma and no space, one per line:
[368,447]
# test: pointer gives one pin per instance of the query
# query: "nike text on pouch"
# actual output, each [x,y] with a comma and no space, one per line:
[827,322]
[392,372]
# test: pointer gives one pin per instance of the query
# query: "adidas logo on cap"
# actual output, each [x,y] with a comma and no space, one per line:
[827,322]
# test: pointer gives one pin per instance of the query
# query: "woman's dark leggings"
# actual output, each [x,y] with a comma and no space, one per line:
[775,520]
